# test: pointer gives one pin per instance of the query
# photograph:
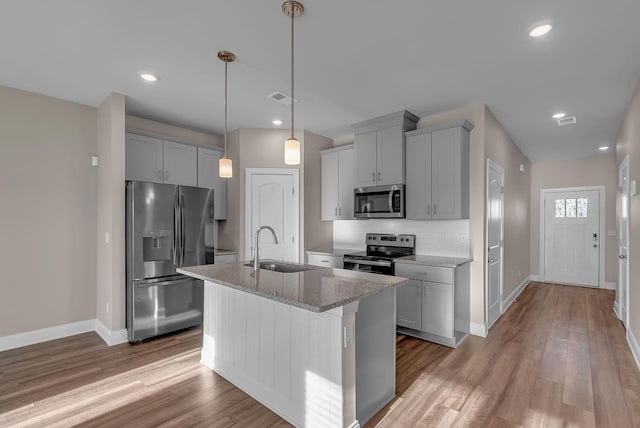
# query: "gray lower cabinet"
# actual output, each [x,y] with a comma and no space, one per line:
[437,172]
[325,260]
[434,305]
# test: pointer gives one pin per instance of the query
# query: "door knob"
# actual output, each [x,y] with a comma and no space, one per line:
[622,256]
[595,245]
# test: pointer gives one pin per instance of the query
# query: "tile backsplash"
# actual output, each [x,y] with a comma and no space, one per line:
[443,237]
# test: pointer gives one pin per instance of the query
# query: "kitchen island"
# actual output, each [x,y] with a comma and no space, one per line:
[317,347]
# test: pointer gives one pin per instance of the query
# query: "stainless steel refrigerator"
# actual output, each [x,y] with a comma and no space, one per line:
[167,227]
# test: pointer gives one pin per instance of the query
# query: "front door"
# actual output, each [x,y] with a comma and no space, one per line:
[623,240]
[571,237]
[272,200]
[495,183]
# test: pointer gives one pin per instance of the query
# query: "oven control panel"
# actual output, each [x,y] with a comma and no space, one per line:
[391,240]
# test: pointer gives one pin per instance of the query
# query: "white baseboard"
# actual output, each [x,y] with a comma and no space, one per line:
[478,329]
[45,334]
[515,293]
[616,310]
[609,286]
[633,344]
[110,337]
[57,332]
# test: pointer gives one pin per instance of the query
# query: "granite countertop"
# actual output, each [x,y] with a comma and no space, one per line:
[222,252]
[450,262]
[319,289]
[339,252]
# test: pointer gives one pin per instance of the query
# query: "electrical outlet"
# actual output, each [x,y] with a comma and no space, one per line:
[107,238]
[348,335]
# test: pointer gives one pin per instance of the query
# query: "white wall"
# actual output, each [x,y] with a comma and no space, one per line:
[47,213]
[442,238]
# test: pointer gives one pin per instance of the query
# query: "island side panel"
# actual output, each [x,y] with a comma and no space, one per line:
[375,353]
[290,359]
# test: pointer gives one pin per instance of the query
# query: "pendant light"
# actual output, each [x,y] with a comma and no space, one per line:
[224,165]
[292,9]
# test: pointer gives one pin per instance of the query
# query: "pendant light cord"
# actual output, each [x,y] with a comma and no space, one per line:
[293,14]
[226,62]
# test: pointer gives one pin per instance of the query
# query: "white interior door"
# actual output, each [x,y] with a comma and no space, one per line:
[272,200]
[495,217]
[623,241]
[572,237]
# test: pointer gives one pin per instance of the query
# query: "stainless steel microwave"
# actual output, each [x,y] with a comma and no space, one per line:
[379,201]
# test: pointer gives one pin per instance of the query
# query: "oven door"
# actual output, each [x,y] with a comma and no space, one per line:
[379,202]
[359,264]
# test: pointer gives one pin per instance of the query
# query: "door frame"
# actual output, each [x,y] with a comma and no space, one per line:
[617,309]
[602,230]
[493,165]
[248,234]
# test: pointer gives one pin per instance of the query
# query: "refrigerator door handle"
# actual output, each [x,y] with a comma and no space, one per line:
[176,231]
[183,237]
[162,283]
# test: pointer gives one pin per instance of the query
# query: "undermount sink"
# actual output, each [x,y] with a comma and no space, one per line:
[282,266]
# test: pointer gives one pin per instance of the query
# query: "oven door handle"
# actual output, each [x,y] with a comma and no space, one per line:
[367,262]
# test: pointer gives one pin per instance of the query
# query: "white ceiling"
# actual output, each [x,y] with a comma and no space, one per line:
[355,60]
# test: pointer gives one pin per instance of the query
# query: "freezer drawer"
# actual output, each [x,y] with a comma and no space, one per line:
[163,305]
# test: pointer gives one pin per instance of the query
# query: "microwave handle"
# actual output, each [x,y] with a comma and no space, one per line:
[391,201]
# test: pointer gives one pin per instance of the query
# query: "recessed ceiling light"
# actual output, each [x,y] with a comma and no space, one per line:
[148,77]
[276,122]
[603,148]
[540,30]
[559,115]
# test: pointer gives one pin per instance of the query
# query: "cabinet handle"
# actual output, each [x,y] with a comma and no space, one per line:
[373,177]
[434,208]
[491,260]
[421,273]
[428,209]
[340,211]
[166,175]
[324,261]
[159,174]
[378,175]
[335,211]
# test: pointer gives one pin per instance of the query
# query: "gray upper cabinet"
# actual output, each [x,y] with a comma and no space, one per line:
[379,149]
[338,181]
[160,161]
[437,172]
[209,178]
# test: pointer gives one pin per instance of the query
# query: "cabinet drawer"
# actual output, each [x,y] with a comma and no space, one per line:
[325,260]
[225,258]
[425,273]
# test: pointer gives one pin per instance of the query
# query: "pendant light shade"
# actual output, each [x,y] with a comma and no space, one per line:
[225,166]
[292,9]
[292,151]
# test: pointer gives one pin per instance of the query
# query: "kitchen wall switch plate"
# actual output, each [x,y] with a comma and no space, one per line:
[633,187]
[106,237]
[94,160]
[348,335]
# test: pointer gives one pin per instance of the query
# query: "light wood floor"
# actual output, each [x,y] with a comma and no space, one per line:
[558,357]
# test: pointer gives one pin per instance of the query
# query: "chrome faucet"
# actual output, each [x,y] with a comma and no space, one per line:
[256,252]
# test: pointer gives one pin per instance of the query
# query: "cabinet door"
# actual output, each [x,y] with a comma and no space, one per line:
[330,186]
[390,158]
[366,152]
[209,178]
[180,164]
[409,305]
[446,186]
[143,158]
[347,183]
[418,186]
[437,308]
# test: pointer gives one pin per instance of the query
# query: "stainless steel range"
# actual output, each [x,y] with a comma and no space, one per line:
[381,250]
